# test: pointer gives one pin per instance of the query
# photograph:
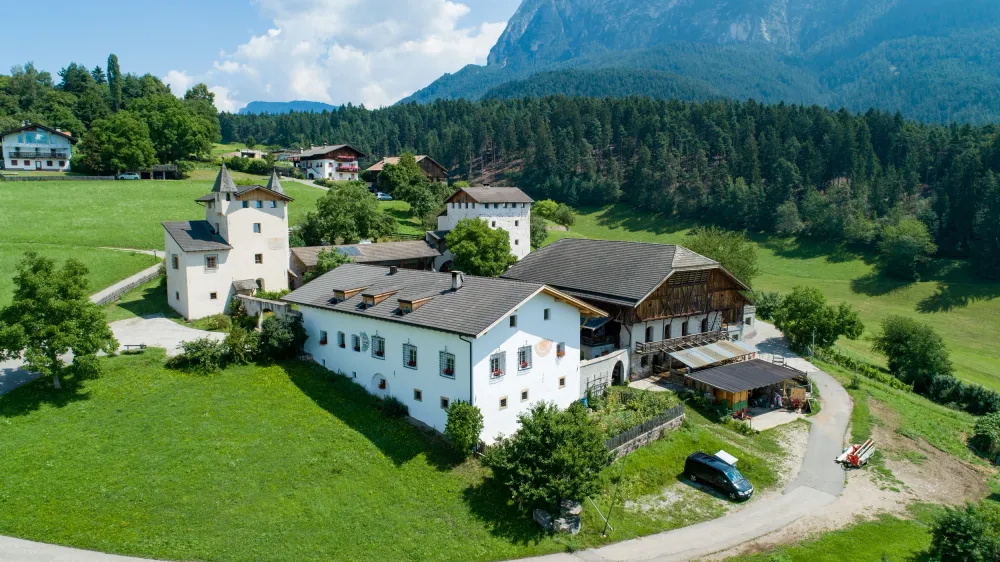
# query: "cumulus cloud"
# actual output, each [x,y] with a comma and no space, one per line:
[373,52]
[179,81]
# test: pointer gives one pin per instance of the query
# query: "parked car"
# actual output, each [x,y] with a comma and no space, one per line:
[129,176]
[383,196]
[717,473]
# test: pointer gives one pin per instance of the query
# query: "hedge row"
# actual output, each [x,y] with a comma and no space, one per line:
[860,367]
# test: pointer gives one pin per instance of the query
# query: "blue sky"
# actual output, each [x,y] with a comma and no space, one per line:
[361,51]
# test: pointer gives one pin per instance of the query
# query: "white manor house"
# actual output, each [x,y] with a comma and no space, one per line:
[240,246]
[36,147]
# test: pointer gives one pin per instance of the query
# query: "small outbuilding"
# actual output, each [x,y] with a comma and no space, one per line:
[737,384]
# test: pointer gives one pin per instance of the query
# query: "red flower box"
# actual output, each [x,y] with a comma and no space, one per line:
[449,372]
[524,364]
[412,363]
[497,373]
[560,354]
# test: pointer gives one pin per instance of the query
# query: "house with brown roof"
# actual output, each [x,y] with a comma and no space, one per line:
[434,171]
[330,162]
[36,147]
[662,299]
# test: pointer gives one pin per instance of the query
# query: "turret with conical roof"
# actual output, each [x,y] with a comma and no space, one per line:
[274,184]
[224,182]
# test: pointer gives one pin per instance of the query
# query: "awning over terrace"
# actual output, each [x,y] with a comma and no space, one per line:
[744,376]
[710,354]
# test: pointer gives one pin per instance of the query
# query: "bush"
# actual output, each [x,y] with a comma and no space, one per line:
[545,208]
[964,535]
[866,370]
[271,295]
[554,456]
[218,323]
[203,355]
[914,351]
[986,438]
[241,344]
[465,424]
[393,408]
[564,215]
[741,427]
[282,338]
[767,303]
[904,247]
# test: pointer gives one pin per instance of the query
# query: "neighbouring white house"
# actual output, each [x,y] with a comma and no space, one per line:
[37,147]
[241,246]
[668,307]
[430,338]
[506,208]
[330,162]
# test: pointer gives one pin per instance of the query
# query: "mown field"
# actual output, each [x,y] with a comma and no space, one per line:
[963,309]
[289,462]
[60,219]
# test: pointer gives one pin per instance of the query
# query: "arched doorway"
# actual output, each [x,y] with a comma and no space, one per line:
[446,266]
[379,386]
[618,373]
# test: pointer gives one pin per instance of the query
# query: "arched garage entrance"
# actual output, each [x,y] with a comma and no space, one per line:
[618,373]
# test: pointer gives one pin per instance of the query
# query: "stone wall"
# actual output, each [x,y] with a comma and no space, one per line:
[648,437]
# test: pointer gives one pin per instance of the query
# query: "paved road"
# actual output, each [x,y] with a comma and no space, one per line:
[157,331]
[817,485]
[17,550]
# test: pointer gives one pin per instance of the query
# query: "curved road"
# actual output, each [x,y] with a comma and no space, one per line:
[817,485]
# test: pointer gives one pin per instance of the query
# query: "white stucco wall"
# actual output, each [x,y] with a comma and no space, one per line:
[236,226]
[515,218]
[541,380]
[638,335]
[19,142]
[327,169]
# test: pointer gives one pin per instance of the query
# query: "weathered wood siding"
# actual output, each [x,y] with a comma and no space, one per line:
[687,293]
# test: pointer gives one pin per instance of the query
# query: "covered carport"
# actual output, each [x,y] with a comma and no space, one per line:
[736,383]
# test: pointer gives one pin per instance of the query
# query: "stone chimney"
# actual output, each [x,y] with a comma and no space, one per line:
[457,278]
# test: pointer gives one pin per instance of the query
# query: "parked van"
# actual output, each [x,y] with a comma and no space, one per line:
[717,473]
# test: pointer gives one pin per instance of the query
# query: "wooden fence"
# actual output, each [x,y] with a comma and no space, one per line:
[56,178]
[645,433]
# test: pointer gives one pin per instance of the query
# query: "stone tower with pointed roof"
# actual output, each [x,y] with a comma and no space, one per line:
[240,247]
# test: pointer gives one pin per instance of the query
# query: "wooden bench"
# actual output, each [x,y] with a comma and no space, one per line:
[129,347]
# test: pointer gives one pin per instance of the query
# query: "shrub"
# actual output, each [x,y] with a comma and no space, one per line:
[741,427]
[271,295]
[282,338]
[554,456]
[767,303]
[914,351]
[545,208]
[393,408]
[218,323]
[964,535]
[564,215]
[986,437]
[465,424]
[866,370]
[241,344]
[203,355]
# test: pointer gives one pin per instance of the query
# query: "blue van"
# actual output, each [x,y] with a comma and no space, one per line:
[717,473]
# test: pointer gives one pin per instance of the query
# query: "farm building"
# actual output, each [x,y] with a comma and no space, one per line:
[660,298]
[37,147]
[434,171]
[330,162]
[429,338]
[409,254]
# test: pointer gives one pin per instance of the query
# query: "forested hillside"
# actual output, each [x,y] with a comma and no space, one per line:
[924,58]
[744,165]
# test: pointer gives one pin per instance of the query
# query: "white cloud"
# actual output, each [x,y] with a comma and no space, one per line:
[179,82]
[363,51]
[223,101]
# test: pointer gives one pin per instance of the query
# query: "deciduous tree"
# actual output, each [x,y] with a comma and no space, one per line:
[327,260]
[904,247]
[120,142]
[479,249]
[733,250]
[915,353]
[806,319]
[346,215]
[51,315]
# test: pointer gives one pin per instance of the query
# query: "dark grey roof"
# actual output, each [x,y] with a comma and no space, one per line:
[608,270]
[371,253]
[438,234]
[224,182]
[470,310]
[745,375]
[274,184]
[205,198]
[321,150]
[495,195]
[67,134]
[195,236]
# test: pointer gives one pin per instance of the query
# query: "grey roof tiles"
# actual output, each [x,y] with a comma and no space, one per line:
[367,253]
[224,182]
[496,195]
[613,271]
[195,236]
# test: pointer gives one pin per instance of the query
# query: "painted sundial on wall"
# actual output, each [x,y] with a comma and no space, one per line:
[543,348]
[364,341]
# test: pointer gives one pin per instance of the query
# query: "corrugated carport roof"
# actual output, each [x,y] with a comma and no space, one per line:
[746,375]
[705,355]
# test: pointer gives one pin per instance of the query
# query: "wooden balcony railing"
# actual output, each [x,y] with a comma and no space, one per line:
[674,344]
[39,154]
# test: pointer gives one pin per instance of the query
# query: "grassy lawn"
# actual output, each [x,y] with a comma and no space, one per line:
[286,462]
[960,307]
[106,266]
[885,538]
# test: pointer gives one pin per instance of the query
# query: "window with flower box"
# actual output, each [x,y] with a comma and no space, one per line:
[378,347]
[340,340]
[561,349]
[409,356]
[355,342]
[447,364]
[524,358]
[323,338]
[498,364]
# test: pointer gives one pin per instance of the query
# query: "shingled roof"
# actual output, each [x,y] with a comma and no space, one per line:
[196,236]
[274,184]
[327,148]
[394,160]
[471,310]
[224,182]
[607,270]
[370,253]
[494,195]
